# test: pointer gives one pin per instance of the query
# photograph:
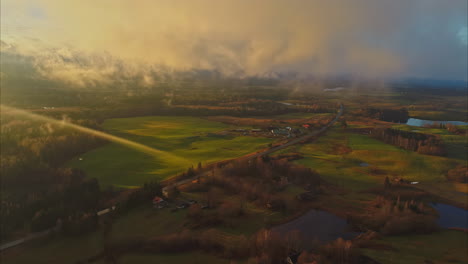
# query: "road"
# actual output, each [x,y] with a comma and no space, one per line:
[265,152]
[300,139]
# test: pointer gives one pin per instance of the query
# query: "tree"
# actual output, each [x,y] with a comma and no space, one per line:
[387,183]
[172,192]
[343,123]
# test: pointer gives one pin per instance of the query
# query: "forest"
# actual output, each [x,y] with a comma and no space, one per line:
[37,189]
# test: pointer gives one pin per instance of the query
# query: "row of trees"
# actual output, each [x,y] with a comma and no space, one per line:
[263,247]
[421,143]
[458,174]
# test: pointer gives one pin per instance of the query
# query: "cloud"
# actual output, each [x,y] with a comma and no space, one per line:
[379,39]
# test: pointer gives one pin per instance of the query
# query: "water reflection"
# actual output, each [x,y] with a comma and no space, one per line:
[422,122]
[317,226]
[451,216]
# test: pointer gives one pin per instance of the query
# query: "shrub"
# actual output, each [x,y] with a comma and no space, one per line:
[397,217]
[458,174]
[339,251]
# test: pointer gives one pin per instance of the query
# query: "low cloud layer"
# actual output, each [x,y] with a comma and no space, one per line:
[87,41]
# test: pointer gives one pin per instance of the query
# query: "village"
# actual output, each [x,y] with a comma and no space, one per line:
[274,131]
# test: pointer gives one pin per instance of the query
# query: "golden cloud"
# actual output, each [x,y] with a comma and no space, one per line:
[235,37]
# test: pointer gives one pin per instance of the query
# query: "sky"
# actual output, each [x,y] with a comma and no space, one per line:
[89,41]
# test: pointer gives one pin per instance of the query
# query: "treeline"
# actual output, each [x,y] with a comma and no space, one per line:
[72,205]
[214,96]
[418,142]
[458,174]
[258,181]
[245,110]
[397,217]
[386,114]
[263,247]
[36,191]
[139,196]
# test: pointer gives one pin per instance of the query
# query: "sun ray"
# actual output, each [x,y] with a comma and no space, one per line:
[122,141]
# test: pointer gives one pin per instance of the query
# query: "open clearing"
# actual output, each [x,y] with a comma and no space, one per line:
[191,139]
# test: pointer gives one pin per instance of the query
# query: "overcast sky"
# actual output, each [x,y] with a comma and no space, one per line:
[366,38]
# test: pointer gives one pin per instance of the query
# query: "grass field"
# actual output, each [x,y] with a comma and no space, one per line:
[440,247]
[190,140]
[455,115]
[337,155]
[381,160]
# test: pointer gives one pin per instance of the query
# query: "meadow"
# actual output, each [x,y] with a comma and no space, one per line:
[446,246]
[359,162]
[186,140]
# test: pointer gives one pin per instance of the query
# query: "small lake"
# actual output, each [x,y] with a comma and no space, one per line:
[317,225]
[451,216]
[422,122]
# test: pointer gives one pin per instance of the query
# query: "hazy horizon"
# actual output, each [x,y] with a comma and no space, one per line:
[88,43]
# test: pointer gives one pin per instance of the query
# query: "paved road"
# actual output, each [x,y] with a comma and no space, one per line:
[266,152]
[300,139]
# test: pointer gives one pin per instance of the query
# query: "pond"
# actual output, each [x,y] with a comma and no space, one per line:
[451,216]
[318,226]
[422,122]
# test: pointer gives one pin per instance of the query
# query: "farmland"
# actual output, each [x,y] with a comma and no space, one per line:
[340,172]
[190,139]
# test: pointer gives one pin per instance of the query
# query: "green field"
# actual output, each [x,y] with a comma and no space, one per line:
[455,115]
[189,140]
[382,159]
